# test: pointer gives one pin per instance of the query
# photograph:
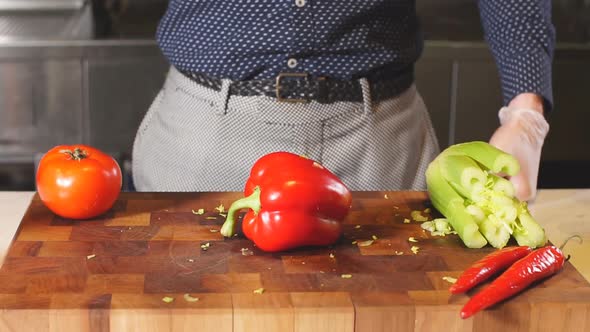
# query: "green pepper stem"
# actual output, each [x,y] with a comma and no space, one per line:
[249,202]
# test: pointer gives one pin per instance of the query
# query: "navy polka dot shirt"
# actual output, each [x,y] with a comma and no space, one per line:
[250,39]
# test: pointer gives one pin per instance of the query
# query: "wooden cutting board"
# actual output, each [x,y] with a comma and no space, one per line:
[111,274]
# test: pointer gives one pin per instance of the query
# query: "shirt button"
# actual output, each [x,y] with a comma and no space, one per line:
[300,3]
[292,63]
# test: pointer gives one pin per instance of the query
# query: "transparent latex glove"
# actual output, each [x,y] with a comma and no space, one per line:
[522,133]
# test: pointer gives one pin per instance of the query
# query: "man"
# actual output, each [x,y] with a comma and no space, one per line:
[332,80]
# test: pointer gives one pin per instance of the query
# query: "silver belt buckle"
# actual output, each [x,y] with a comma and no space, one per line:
[278,88]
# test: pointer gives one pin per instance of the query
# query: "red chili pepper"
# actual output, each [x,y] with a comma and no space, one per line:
[537,265]
[293,202]
[487,267]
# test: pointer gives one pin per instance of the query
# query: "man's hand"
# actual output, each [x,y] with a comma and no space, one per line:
[522,132]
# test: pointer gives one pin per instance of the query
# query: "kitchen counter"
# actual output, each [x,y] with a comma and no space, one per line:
[12,206]
[117,269]
[564,213]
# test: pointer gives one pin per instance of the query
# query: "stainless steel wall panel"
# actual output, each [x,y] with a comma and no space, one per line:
[40,105]
[46,20]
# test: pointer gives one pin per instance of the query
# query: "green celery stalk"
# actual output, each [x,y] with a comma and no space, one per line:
[448,202]
[490,157]
[500,184]
[477,213]
[463,223]
[495,231]
[503,206]
[530,233]
[500,217]
[481,206]
[464,174]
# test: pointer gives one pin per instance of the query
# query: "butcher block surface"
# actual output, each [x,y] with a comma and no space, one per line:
[112,273]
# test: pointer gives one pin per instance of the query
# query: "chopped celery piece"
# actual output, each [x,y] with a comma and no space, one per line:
[417,216]
[450,279]
[258,291]
[442,225]
[428,225]
[437,227]
[189,298]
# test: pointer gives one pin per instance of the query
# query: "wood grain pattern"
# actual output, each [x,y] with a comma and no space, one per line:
[330,311]
[112,272]
[263,312]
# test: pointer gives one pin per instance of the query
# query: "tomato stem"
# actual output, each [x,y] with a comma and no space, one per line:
[78,154]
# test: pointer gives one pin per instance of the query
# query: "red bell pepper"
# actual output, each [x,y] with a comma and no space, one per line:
[293,202]
[487,267]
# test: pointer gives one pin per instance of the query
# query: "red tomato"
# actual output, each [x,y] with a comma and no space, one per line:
[78,181]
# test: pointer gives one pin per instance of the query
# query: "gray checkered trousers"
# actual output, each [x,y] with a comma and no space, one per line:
[198,139]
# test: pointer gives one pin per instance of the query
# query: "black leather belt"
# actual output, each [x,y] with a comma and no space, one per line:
[301,87]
